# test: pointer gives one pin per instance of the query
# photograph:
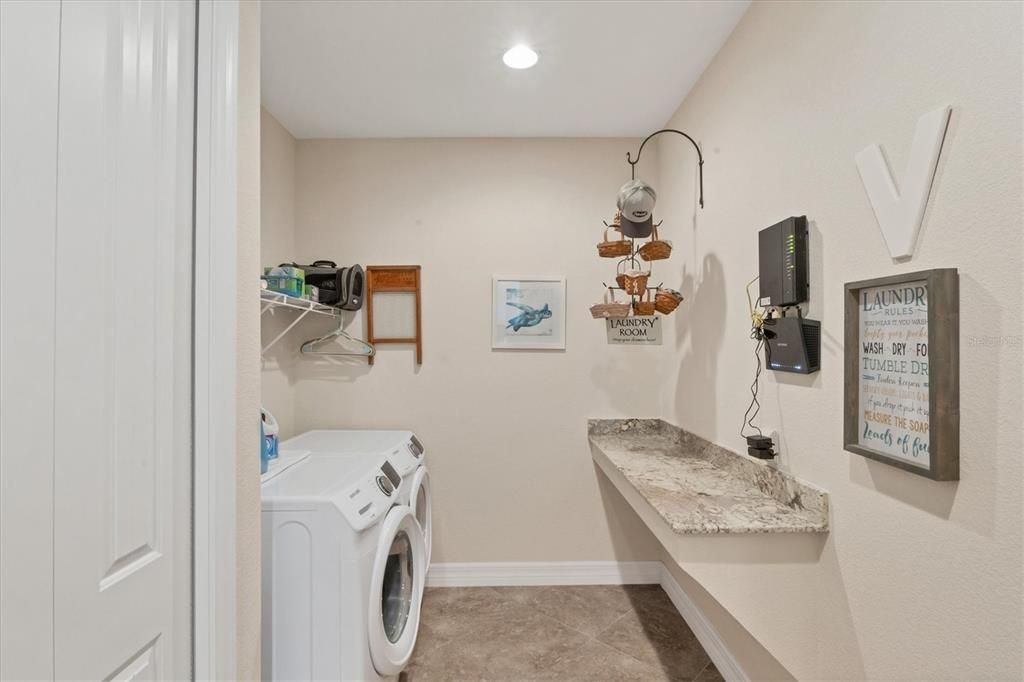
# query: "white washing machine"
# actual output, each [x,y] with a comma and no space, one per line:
[344,566]
[404,450]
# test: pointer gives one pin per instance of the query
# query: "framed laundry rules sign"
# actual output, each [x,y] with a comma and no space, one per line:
[528,313]
[902,372]
[635,330]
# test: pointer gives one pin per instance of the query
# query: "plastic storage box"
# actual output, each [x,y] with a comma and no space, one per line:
[286,280]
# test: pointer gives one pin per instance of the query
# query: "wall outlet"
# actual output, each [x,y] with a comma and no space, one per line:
[779,447]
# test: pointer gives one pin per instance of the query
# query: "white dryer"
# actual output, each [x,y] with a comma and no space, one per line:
[344,567]
[403,449]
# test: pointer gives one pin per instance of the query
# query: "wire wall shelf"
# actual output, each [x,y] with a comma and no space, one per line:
[273,300]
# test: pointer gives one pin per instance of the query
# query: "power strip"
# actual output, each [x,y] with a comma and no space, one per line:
[761,447]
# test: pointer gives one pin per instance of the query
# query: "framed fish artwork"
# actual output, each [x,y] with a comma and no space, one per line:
[528,314]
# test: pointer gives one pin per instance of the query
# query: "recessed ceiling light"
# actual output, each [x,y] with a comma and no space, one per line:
[520,57]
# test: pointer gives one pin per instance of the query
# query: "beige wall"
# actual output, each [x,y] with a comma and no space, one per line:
[277,245]
[917,579]
[505,431]
[248,383]
[277,191]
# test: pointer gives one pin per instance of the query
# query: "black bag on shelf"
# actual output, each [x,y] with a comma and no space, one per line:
[340,287]
[353,283]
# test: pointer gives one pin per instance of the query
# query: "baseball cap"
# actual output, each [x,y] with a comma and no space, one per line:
[636,201]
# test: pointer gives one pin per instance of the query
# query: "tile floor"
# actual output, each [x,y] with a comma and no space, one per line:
[629,632]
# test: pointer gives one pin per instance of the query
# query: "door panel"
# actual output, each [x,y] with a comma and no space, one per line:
[123,341]
[29,45]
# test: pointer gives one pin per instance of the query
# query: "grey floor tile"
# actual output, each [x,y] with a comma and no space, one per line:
[525,646]
[595,661]
[427,656]
[587,608]
[659,638]
[455,612]
[572,634]
[513,642]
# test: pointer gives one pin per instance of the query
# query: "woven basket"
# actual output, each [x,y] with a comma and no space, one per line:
[609,307]
[614,249]
[656,249]
[667,300]
[644,306]
[620,277]
[634,283]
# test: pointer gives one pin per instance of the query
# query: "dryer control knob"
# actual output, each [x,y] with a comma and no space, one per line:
[385,485]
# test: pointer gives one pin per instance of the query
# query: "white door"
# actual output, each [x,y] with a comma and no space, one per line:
[119,296]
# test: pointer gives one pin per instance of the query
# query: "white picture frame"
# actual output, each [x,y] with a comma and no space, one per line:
[528,313]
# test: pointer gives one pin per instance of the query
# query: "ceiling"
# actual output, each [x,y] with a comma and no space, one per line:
[434,69]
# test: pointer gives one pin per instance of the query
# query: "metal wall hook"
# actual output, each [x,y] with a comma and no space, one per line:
[700,157]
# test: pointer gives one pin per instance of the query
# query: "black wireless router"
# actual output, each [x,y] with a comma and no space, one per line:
[792,344]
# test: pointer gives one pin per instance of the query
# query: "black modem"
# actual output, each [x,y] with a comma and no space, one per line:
[783,263]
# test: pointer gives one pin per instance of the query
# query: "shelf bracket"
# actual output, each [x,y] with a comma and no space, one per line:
[273,300]
[286,330]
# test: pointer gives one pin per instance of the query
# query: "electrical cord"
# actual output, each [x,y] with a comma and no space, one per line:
[755,406]
[759,316]
[759,445]
[757,333]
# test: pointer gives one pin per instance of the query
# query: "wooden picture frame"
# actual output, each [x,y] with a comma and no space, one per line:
[394,279]
[893,429]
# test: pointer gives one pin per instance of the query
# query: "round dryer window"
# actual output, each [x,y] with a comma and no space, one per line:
[396,589]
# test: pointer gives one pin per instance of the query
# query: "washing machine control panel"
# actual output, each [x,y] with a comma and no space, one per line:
[385,485]
[407,457]
[369,498]
[416,446]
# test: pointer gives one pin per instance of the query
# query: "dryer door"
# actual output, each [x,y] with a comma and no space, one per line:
[396,588]
[420,503]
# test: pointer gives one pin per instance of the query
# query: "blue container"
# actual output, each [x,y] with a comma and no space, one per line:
[286,279]
[291,286]
[270,446]
[270,431]
[264,451]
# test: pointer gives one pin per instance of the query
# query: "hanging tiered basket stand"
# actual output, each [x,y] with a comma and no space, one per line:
[636,256]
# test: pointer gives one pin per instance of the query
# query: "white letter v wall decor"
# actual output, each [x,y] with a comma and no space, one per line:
[900,214]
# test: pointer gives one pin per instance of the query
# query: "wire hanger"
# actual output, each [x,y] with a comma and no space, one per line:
[366,350]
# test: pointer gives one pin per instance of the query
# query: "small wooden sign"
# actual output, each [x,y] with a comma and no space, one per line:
[636,330]
[902,372]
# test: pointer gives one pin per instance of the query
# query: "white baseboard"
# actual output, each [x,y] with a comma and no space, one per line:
[703,629]
[545,573]
[505,574]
